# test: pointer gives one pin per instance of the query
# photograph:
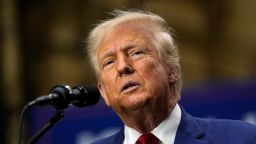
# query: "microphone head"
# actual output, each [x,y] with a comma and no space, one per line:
[60,96]
[86,95]
[63,96]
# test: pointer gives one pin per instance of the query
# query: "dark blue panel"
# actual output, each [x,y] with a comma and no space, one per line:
[216,99]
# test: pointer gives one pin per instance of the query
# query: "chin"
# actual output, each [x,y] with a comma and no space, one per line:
[134,102]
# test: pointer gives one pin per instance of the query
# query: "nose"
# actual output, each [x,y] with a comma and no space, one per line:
[124,66]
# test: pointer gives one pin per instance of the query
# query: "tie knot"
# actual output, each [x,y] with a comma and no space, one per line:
[147,138]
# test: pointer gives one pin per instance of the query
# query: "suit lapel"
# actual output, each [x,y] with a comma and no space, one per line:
[189,131]
[184,138]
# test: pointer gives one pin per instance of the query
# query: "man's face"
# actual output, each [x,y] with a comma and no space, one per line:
[131,74]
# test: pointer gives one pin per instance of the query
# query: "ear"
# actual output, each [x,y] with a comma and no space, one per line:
[173,75]
[103,93]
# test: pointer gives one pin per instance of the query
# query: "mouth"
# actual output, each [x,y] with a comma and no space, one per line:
[129,86]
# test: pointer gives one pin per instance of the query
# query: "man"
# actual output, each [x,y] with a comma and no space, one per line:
[139,76]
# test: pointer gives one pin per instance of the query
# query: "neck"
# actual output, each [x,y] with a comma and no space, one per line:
[144,121]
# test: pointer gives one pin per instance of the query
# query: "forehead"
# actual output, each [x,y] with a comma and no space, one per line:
[125,35]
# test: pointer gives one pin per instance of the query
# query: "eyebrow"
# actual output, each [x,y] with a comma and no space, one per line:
[108,53]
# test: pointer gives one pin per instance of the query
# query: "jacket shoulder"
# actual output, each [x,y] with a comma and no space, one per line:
[222,129]
[226,125]
[216,131]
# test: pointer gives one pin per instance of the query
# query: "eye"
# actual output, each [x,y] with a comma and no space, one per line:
[107,63]
[137,53]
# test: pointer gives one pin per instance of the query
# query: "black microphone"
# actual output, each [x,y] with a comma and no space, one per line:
[63,96]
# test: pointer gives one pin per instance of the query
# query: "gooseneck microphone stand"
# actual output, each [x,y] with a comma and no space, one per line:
[56,118]
[61,97]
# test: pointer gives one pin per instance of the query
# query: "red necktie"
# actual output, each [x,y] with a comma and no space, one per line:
[147,138]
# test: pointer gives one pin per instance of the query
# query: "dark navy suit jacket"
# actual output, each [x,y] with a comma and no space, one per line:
[194,130]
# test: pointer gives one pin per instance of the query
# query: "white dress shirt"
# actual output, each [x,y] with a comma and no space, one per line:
[165,131]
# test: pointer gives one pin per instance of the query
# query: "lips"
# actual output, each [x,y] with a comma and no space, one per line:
[129,86]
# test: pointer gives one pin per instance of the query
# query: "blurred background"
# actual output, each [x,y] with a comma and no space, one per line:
[43,44]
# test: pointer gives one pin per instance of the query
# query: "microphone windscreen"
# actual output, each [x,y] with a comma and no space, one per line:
[86,95]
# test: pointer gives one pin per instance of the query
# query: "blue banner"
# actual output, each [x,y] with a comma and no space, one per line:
[219,99]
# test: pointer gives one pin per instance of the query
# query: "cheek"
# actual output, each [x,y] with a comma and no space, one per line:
[154,75]
[153,70]
[108,79]
[110,87]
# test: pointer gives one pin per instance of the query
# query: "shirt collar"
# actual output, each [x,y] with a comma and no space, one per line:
[165,131]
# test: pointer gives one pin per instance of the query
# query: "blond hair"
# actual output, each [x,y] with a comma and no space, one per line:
[164,41]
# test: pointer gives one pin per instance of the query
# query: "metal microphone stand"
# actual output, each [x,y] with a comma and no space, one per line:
[57,117]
